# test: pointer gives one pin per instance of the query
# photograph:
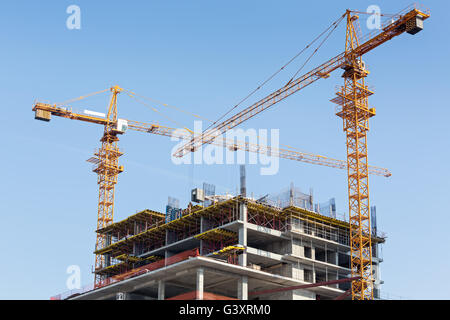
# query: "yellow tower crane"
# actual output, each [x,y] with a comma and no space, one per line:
[355,112]
[106,158]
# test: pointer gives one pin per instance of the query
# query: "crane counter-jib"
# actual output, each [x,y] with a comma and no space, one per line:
[44,111]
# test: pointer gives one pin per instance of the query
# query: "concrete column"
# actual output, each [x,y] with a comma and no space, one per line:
[243,212]
[200,283]
[313,273]
[243,242]
[243,233]
[161,289]
[243,288]
[202,224]
[200,249]
[337,278]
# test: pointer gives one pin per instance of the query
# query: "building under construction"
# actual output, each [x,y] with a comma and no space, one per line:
[238,247]
[281,246]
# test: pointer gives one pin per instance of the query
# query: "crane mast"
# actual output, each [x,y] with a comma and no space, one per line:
[353,108]
[107,168]
[355,114]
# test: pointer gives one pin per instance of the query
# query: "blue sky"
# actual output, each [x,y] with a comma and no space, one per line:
[204,56]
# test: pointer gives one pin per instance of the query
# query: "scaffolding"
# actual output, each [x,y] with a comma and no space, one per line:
[136,244]
[148,230]
[265,216]
[290,196]
[216,239]
[230,253]
[150,267]
[125,239]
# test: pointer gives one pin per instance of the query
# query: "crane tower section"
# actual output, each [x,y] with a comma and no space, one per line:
[354,110]
[107,167]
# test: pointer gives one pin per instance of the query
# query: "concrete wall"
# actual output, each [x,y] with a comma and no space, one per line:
[303,295]
[280,247]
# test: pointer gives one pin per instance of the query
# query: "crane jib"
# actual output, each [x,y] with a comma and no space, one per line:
[393,29]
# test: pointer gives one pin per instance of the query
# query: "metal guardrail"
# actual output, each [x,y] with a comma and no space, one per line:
[130,274]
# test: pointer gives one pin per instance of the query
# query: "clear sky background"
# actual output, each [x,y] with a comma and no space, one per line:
[204,56]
